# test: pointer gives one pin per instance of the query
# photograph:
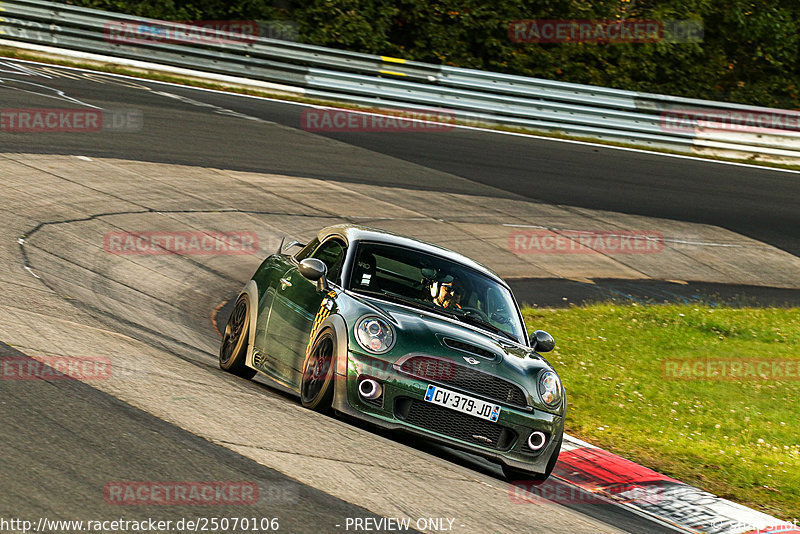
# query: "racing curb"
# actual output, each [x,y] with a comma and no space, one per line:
[611,477]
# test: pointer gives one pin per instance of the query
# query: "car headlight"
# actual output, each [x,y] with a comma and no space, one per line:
[375,335]
[550,389]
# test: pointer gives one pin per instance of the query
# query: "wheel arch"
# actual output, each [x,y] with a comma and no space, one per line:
[337,324]
[251,290]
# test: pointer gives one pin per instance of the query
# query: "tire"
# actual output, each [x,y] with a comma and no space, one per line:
[319,369]
[233,348]
[512,473]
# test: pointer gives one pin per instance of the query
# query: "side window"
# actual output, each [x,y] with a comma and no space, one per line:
[306,251]
[332,253]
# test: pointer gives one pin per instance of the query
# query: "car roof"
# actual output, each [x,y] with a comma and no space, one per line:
[353,232]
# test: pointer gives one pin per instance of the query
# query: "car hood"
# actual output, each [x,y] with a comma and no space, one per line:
[429,333]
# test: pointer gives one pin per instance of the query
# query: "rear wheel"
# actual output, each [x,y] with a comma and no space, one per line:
[316,390]
[233,349]
[512,473]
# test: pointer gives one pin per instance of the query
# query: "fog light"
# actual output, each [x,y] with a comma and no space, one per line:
[536,440]
[370,389]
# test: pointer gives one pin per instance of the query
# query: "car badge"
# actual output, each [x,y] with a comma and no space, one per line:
[470,360]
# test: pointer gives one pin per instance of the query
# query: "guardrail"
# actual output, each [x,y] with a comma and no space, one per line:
[470,96]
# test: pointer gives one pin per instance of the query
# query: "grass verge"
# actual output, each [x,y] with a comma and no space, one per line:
[735,438]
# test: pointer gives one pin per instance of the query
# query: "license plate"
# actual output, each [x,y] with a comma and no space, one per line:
[462,403]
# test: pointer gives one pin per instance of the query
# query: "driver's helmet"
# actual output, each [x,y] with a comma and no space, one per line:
[447,292]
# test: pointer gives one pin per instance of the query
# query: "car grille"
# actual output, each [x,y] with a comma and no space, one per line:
[454,424]
[465,378]
[468,347]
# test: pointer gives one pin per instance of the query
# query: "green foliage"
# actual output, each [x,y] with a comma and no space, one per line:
[183,10]
[359,25]
[750,52]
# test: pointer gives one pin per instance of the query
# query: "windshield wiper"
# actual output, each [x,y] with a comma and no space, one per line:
[478,322]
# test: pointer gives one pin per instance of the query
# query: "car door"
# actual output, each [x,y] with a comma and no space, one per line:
[268,276]
[294,307]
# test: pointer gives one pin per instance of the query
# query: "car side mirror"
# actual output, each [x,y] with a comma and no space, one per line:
[315,270]
[541,341]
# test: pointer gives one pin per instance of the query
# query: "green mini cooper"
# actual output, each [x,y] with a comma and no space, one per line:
[406,335]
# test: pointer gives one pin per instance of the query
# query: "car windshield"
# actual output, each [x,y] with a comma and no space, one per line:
[437,284]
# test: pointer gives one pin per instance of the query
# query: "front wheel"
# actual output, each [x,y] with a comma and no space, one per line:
[316,390]
[512,473]
[233,349]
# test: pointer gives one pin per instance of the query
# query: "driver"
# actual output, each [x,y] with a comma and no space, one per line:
[447,292]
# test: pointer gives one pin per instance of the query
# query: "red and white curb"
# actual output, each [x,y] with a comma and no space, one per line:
[608,477]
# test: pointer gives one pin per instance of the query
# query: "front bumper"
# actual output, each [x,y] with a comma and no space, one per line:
[401,390]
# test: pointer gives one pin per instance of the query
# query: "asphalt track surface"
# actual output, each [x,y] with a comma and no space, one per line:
[758,203]
[67,461]
[561,293]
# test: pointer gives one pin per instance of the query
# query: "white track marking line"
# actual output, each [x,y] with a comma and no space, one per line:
[59,94]
[455,126]
[19,69]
